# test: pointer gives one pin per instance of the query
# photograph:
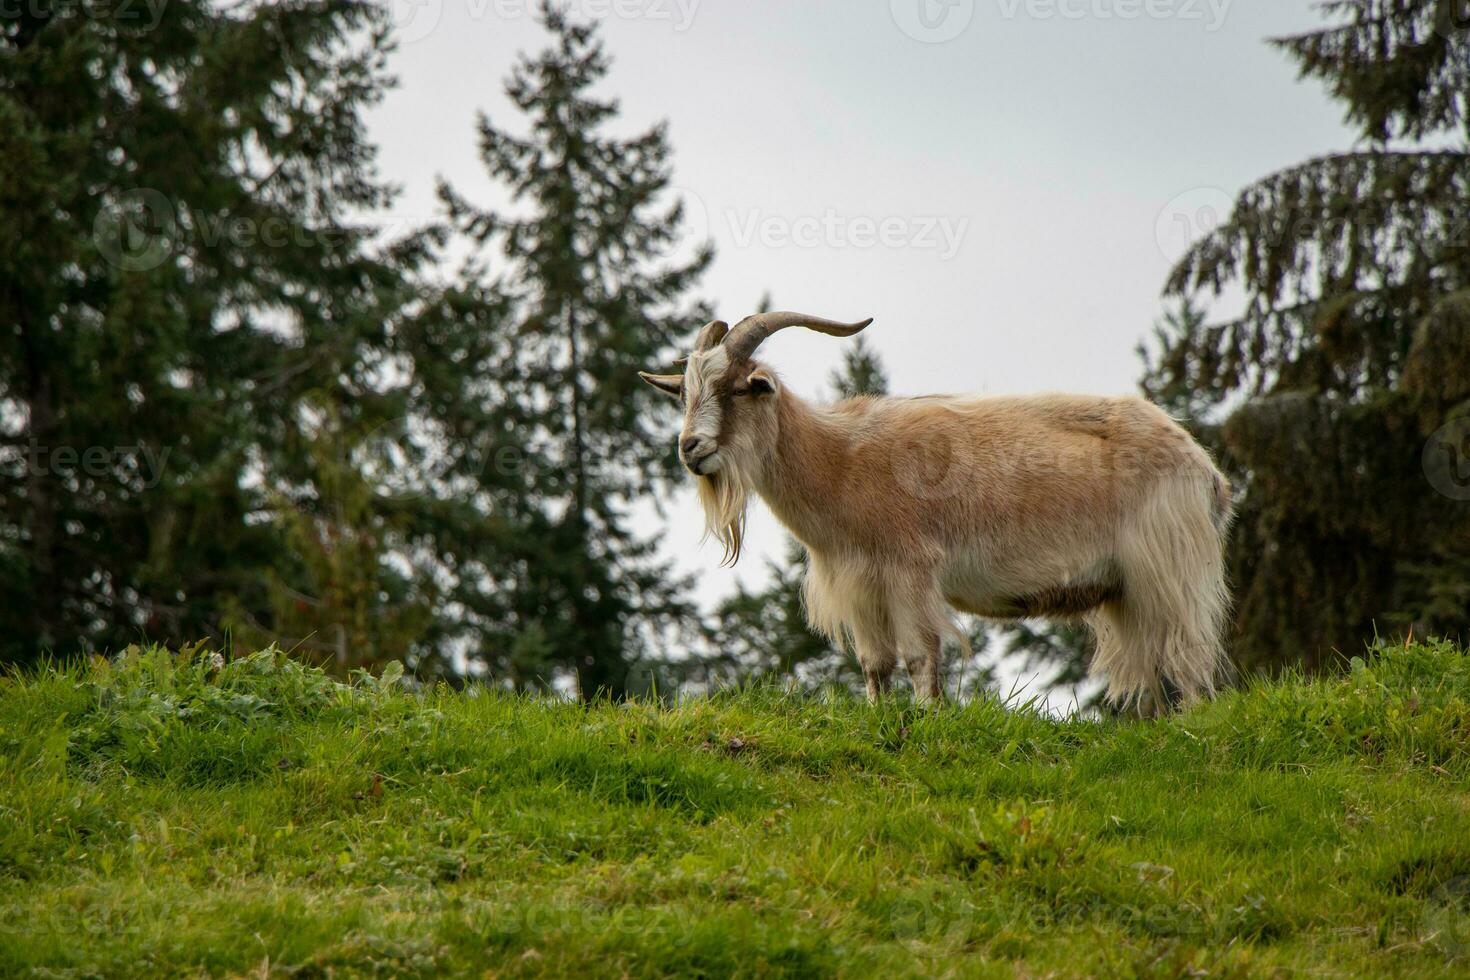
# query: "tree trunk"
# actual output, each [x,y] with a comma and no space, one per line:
[579,449]
[41,504]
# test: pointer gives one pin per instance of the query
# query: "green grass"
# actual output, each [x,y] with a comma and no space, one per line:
[161,815]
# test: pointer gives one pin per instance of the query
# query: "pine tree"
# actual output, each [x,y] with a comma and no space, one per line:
[595,295]
[861,372]
[179,284]
[1346,380]
[339,596]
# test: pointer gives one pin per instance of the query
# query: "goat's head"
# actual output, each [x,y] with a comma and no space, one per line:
[730,413]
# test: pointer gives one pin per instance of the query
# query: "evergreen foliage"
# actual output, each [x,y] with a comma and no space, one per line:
[596,290]
[232,406]
[183,296]
[1338,399]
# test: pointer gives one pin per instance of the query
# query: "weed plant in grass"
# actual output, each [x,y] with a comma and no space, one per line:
[173,814]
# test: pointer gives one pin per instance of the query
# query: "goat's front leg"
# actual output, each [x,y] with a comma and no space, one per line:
[878,683]
[921,656]
[877,658]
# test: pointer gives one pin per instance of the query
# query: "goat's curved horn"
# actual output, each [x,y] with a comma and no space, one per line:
[708,338]
[751,332]
[712,334]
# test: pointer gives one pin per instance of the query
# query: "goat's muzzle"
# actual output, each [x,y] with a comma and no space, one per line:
[695,451]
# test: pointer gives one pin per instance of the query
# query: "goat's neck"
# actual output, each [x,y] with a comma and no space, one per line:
[807,470]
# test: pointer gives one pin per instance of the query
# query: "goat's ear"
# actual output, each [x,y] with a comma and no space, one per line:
[761,382]
[669,384]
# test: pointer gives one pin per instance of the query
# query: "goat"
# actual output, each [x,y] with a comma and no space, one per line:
[1061,506]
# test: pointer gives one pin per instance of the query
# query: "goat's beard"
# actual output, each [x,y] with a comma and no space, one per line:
[724,495]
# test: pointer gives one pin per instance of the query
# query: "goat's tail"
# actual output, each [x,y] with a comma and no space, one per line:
[1161,641]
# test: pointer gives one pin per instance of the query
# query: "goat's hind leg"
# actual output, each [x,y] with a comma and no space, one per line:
[1175,602]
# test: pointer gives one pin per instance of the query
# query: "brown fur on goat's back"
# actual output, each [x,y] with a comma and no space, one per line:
[985,462]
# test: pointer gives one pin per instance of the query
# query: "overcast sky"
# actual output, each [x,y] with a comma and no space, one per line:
[1002,184]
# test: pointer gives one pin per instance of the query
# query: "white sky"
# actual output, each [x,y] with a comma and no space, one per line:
[1066,146]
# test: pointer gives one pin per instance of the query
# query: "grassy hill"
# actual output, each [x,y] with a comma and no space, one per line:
[172,815]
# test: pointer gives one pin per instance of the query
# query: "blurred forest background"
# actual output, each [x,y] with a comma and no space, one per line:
[236,404]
